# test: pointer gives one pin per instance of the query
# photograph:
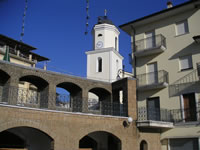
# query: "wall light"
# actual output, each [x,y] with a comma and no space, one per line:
[126,123]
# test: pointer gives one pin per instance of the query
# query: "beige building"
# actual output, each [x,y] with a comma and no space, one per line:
[165,59]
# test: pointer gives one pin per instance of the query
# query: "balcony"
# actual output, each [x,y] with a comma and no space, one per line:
[150,46]
[187,83]
[152,80]
[27,98]
[154,118]
[164,118]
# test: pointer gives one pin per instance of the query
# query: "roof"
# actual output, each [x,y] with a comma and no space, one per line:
[157,14]
[104,19]
[38,57]
[14,43]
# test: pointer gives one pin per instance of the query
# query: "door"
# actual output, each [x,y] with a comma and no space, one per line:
[150,39]
[189,104]
[152,73]
[153,108]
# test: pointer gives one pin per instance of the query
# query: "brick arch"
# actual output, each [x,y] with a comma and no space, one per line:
[68,80]
[36,73]
[39,82]
[93,86]
[27,123]
[101,130]
[102,93]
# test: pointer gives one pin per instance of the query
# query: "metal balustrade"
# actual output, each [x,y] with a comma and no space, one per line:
[30,98]
[185,83]
[152,78]
[165,115]
[150,43]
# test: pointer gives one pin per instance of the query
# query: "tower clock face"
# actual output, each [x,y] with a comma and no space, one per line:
[99,44]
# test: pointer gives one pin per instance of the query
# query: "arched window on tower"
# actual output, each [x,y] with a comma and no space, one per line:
[99,64]
[99,35]
[143,145]
[116,43]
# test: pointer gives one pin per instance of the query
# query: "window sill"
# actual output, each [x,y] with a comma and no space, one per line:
[182,70]
[182,34]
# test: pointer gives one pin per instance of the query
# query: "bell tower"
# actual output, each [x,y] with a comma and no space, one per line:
[104,61]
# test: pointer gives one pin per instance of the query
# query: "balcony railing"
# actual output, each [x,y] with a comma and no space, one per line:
[151,45]
[158,79]
[145,114]
[34,99]
[186,83]
[165,115]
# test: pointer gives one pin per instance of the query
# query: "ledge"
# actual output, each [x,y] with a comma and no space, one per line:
[155,124]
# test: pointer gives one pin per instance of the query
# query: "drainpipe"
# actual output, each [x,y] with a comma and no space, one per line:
[133,50]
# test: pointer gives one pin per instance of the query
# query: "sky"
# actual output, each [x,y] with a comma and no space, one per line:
[56,27]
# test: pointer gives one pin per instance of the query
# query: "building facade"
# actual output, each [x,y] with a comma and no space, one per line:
[165,59]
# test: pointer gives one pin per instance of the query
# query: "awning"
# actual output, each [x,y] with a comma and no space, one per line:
[181,132]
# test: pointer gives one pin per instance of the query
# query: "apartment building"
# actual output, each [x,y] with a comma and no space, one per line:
[165,59]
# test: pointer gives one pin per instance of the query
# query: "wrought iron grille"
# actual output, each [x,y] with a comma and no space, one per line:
[152,78]
[35,99]
[150,43]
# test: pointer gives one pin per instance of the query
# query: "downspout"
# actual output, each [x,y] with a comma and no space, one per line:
[133,46]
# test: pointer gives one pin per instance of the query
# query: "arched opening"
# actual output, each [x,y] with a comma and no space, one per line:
[99,100]
[100,35]
[69,97]
[143,145]
[100,140]
[32,91]
[25,138]
[99,64]
[4,78]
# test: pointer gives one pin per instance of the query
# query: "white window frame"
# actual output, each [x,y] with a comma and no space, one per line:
[183,23]
[188,62]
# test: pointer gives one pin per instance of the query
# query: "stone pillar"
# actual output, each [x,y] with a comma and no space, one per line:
[10,90]
[48,97]
[85,100]
[131,98]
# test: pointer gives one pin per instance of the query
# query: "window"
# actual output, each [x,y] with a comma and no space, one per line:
[185,62]
[99,64]
[99,35]
[182,27]
[116,43]
[143,145]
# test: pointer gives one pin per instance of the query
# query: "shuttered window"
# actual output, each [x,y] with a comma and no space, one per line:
[185,62]
[182,27]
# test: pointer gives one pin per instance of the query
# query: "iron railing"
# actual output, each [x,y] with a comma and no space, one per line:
[161,114]
[41,100]
[165,115]
[152,78]
[185,83]
[150,43]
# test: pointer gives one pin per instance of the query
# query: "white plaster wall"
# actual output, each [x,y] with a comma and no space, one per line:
[109,33]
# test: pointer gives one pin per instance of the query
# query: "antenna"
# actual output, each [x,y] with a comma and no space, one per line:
[87,17]
[23,21]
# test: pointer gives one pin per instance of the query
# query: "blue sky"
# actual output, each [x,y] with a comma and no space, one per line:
[56,28]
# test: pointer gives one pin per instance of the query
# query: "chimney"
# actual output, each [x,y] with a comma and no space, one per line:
[169,4]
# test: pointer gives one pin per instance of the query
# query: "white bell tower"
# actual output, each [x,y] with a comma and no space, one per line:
[104,61]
